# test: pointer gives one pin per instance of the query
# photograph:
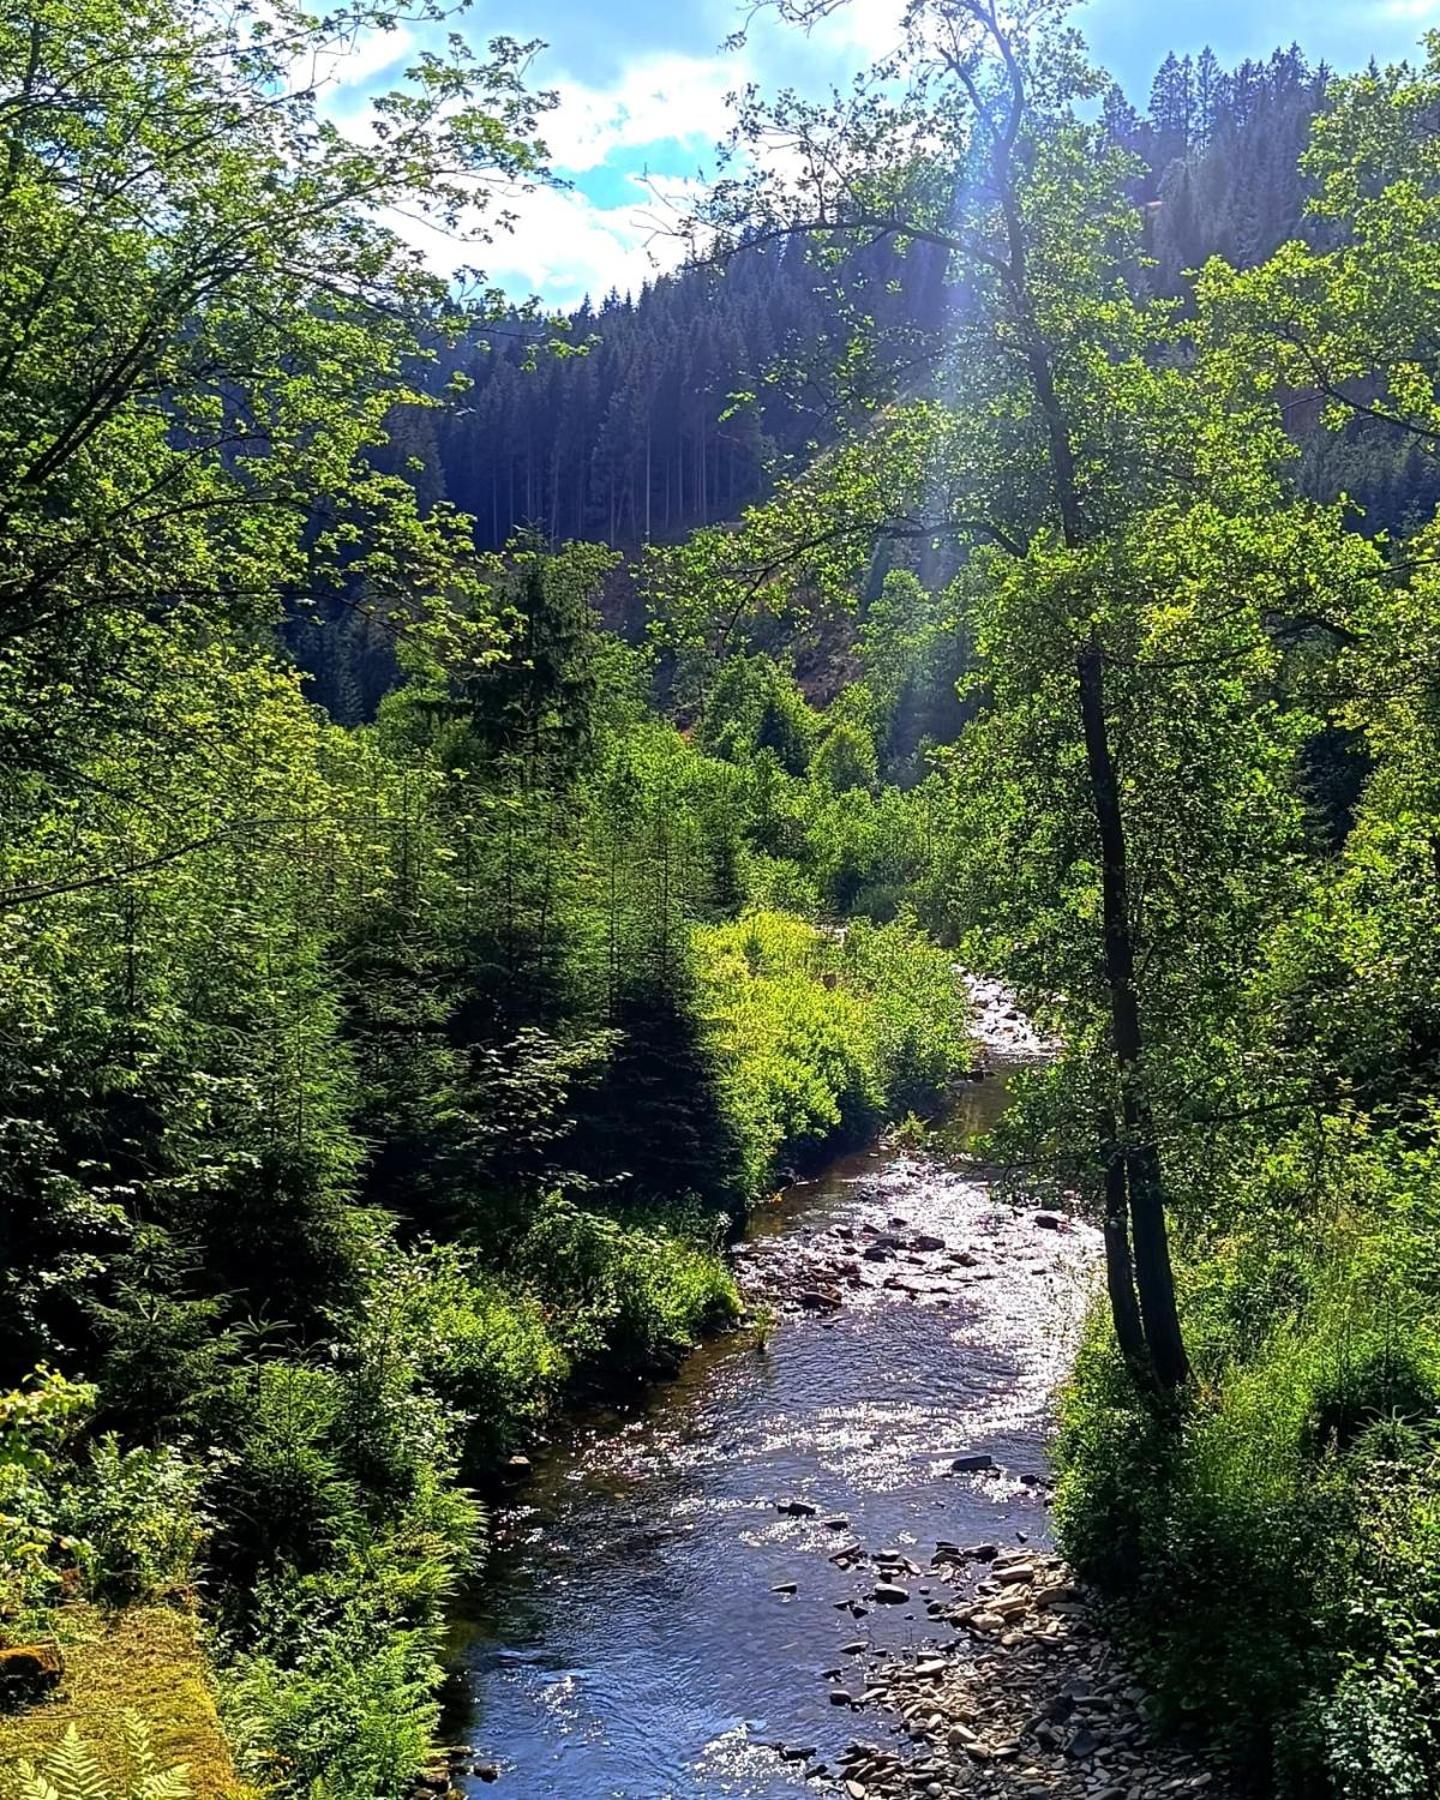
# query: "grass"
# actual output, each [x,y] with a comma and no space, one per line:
[148,1658]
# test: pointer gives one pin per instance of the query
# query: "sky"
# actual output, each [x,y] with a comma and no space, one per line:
[642,86]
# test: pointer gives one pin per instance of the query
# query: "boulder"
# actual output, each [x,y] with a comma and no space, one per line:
[27,1670]
[977,1463]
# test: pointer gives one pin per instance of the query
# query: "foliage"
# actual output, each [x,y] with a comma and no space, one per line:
[136,1520]
[626,1295]
[372,1080]
[73,1771]
[37,1423]
[826,1033]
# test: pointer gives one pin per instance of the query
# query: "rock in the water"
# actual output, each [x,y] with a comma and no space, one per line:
[888,1594]
[797,1509]
[1049,1221]
[785,1587]
[976,1464]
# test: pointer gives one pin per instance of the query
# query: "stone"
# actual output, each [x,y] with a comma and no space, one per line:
[30,1669]
[977,1463]
[1048,1221]
[785,1587]
[518,1465]
[927,1241]
[486,1772]
[797,1509]
[888,1594]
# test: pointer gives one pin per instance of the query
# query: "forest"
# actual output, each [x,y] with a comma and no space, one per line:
[489,799]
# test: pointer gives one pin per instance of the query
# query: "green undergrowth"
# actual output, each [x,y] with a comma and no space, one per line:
[1275,1548]
[826,1034]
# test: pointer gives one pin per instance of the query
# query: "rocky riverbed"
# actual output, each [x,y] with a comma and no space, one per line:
[1034,1702]
[819,1560]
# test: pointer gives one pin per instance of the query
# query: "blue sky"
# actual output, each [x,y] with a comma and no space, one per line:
[643,83]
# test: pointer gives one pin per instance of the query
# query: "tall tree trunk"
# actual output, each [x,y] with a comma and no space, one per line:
[1119,1268]
[1154,1280]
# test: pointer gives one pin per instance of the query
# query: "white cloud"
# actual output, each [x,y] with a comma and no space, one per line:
[656,99]
[1416,11]
[871,28]
[562,246]
[369,57]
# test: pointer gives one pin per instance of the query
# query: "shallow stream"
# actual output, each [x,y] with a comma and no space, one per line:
[635,1645]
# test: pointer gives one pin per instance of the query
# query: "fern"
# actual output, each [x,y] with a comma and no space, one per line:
[73,1770]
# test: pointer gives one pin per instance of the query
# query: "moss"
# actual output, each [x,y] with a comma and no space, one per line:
[148,1658]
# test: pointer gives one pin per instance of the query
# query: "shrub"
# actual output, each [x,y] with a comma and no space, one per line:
[823,1034]
[624,1296]
[137,1520]
[487,1352]
[36,1423]
[352,1720]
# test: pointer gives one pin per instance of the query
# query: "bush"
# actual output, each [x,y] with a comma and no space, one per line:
[1276,1548]
[352,1722]
[487,1352]
[623,1296]
[137,1520]
[824,1034]
[36,1424]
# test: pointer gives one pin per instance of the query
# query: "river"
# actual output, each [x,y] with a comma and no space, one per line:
[640,1639]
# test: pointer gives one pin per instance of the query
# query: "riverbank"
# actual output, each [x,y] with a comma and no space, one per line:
[1034,1700]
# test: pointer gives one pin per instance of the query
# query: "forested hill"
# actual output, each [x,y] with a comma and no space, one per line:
[692,395]
[631,442]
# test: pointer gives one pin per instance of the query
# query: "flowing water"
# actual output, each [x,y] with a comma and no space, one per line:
[633,1646]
